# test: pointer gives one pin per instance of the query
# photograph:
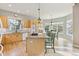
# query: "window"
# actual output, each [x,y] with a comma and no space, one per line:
[69,28]
[58,26]
[14,24]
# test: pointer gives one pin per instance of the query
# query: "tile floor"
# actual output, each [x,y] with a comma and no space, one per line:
[62,49]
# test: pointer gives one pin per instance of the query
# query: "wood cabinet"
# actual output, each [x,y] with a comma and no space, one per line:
[27,23]
[35,45]
[11,38]
[4,21]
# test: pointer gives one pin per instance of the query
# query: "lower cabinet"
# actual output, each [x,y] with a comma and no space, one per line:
[11,38]
[35,46]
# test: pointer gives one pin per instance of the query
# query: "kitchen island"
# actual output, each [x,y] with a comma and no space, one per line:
[35,45]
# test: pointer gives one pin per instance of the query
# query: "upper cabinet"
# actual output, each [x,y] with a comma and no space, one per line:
[4,21]
[27,23]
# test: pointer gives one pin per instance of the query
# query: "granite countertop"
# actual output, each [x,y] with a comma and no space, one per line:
[40,35]
[6,31]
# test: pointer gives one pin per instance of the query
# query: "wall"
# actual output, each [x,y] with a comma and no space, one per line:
[76,25]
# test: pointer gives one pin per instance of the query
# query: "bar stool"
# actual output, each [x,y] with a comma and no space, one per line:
[50,41]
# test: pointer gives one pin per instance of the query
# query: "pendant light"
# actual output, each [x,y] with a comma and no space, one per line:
[51,22]
[39,12]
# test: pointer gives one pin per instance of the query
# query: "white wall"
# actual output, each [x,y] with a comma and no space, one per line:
[76,25]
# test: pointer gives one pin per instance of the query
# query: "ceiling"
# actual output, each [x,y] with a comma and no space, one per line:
[47,10]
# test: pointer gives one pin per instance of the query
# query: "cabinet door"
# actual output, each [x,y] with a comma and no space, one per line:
[11,38]
[35,46]
[18,36]
[27,23]
[4,21]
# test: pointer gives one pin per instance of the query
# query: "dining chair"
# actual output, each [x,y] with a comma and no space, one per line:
[50,41]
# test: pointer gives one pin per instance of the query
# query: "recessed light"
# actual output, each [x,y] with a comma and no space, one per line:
[10,5]
[18,11]
[27,11]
